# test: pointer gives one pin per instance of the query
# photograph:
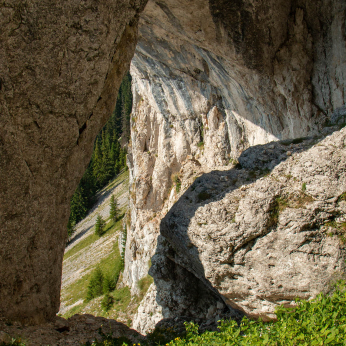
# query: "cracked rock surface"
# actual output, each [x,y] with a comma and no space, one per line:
[216,83]
[263,240]
[61,64]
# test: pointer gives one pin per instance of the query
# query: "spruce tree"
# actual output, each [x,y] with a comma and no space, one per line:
[100,225]
[95,286]
[97,164]
[114,211]
[78,206]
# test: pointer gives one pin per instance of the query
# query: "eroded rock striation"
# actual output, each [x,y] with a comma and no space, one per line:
[211,79]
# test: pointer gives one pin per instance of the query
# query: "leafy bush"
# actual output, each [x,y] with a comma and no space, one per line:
[304,187]
[321,321]
[108,285]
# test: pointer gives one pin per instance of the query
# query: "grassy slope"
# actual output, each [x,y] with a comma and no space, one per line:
[124,306]
[77,291]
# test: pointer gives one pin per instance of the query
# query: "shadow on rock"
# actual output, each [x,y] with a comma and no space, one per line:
[200,268]
[77,330]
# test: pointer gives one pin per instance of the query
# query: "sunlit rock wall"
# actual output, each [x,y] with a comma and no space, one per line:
[211,79]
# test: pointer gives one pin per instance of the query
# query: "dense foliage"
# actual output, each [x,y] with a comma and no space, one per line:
[108,158]
[321,321]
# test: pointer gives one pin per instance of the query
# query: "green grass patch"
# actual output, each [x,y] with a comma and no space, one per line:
[110,228]
[177,182]
[110,266]
[342,197]
[278,205]
[339,229]
[121,178]
[143,285]
[81,245]
[290,200]
[122,298]
[75,310]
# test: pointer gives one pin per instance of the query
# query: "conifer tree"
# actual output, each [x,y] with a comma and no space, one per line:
[100,225]
[95,287]
[78,206]
[108,157]
[97,164]
[114,210]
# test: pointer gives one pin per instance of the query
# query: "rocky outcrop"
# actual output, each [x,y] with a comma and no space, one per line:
[61,64]
[260,241]
[255,235]
[211,79]
[77,330]
[249,71]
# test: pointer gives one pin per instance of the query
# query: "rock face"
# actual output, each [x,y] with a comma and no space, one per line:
[226,75]
[61,64]
[211,79]
[260,241]
[77,330]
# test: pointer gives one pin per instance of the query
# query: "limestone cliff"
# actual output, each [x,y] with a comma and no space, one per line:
[223,74]
[205,89]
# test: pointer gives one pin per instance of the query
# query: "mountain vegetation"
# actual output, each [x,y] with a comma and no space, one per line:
[321,321]
[108,158]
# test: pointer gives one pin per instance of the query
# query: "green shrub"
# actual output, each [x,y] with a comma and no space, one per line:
[321,321]
[108,285]
[177,182]
[304,187]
